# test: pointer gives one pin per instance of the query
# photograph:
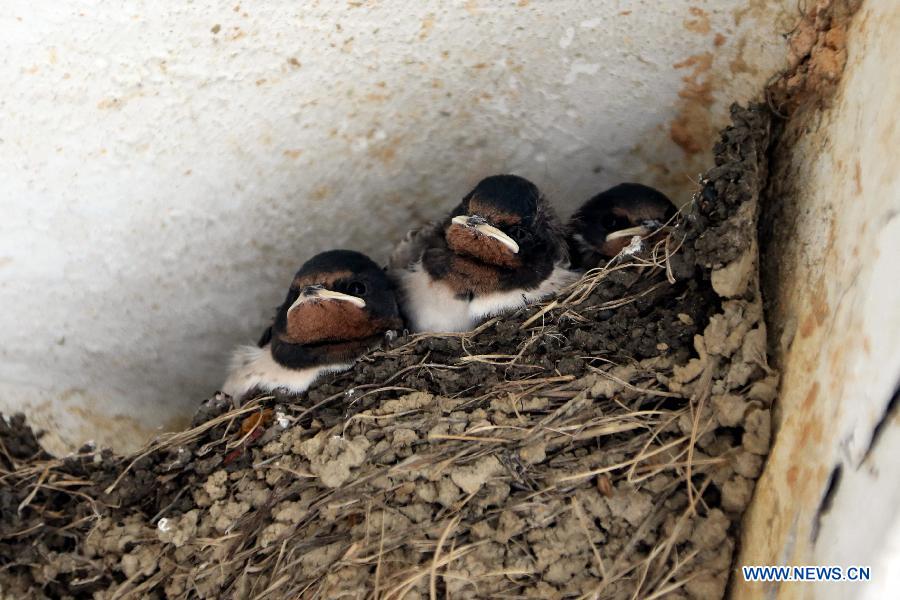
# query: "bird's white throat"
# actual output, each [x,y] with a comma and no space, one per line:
[254,368]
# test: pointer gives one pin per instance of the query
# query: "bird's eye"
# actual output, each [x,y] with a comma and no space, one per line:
[522,235]
[612,222]
[357,288]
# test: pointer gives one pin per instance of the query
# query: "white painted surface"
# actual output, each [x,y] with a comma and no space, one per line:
[167,166]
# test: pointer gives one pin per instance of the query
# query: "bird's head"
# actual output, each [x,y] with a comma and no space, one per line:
[606,223]
[504,223]
[339,304]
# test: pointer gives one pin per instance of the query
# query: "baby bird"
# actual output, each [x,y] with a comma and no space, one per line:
[340,303]
[499,249]
[605,224]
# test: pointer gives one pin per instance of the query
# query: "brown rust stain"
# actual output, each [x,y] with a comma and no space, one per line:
[294,62]
[832,239]
[109,103]
[811,397]
[294,154]
[752,8]
[817,53]
[820,306]
[320,192]
[719,40]
[857,177]
[386,151]
[691,128]
[695,86]
[791,475]
[176,423]
[427,26]
[386,154]
[698,22]
[216,28]
[810,434]
[808,326]
[738,64]
[836,364]
[127,429]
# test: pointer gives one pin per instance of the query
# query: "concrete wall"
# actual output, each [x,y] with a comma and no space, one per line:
[831,489]
[167,166]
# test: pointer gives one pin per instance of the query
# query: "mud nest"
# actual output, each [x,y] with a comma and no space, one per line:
[602,445]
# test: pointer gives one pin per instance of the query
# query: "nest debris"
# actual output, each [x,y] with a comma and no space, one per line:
[602,445]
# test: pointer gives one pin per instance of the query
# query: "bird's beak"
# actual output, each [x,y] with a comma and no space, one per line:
[645,228]
[318,293]
[489,230]
[640,230]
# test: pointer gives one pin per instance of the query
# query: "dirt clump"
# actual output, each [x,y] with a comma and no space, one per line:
[602,444]
[817,54]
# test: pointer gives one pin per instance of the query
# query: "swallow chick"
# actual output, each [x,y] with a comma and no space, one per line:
[498,250]
[339,305]
[605,224]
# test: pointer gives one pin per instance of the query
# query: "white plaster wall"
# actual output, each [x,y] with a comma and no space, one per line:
[836,247]
[167,166]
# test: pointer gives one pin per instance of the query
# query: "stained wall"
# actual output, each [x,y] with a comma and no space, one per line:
[831,266]
[166,167]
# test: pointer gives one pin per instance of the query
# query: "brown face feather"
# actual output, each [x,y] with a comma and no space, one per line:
[471,276]
[324,279]
[496,217]
[319,321]
[465,241]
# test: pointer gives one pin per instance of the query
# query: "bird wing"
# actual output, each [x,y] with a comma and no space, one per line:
[413,246]
[556,233]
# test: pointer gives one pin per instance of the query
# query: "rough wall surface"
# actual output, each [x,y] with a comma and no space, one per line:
[831,488]
[166,168]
